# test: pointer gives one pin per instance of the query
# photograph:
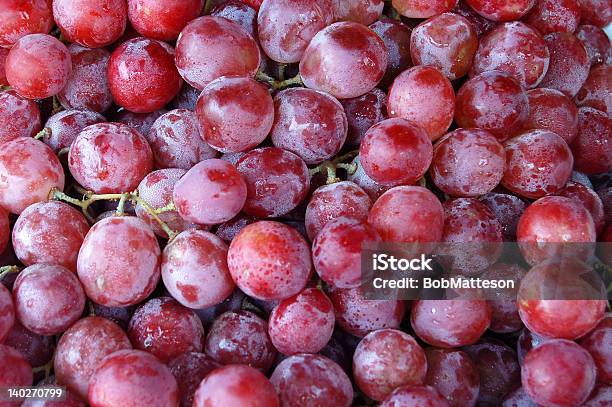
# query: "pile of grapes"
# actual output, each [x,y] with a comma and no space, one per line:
[186,187]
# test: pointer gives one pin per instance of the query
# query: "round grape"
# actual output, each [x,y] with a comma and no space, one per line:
[549,16]
[589,199]
[238,12]
[415,396]
[596,12]
[189,369]
[597,90]
[422,8]
[20,117]
[504,10]
[595,41]
[454,375]
[396,37]
[63,127]
[14,369]
[162,21]
[569,63]
[592,148]
[359,11]
[552,110]
[362,113]
[20,18]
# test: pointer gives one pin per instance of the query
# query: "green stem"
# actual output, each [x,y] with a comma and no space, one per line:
[121,206]
[3,88]
[350,168]
[208,7]
[46,132]
[281,71]
[6,270]
[278,84]
[168,208]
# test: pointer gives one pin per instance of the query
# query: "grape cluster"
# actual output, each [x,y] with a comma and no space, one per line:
[187,187]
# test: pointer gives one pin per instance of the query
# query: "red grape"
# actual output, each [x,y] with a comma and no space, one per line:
[311,381]
[589,199]
[387,359]
[595,41]
[92,24]
[38,350]
[118,264]
[3,54]
[569,63]
[396,37]
[549,16]
[303,323]
[362,113]
[359,316]
[187,97]
[87,86]
[558,373]
[7,313]
[538,162]
[109,158]
[345,59]
[141,75]
[277,181]
[597,90]
[596,12]
[211,47]
[600,397]
[423,8]
[415,396]
[269,261]
[481,24]
[19,117]
[228,230]
[132,377]
[156,189]
[408,215]
[453,374]
[119,315]
[501,10]
[467,163]
[514,48]
[311,124]
[63,127]
[28,171]
[504,308]
[395,152]
[38,66]
[82,348]
[5,230]
[338,200]
[239,12]
[450,323]
[552,110]
[361,179]
[287,26]
[189,369]
[527,340]
[49,232]
[48,298]
[20,18]
[592,148]
[549,224]
[14,370]
[141,122]
[359,11]
[211,192]
[436,107]
[194,269]
[447,42]
[492,101]
[599,342]
[336,251]
[162,21]
[235,114]
[166,329]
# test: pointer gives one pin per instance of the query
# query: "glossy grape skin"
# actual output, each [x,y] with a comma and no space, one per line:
[514,48]
[361,179]
[48,298]
[311,124]
[211,47]
[504,308]
[598,343]
[36,349]
[14,370]
[467,163]
[396,37]
[311,381]
[28,170]
[569,64]
[558,373]
[82,348]
[112,246]
[189,369]
[592,148]
[63,127]
[538,162]
[554,220]
[162,22]
[359,316]
[492,101]
[269,261]
[596,91]
[387,359]
[7,313]
[454,375]
[141,75]
[132,377]
[20,117]
[436,108]
[235,114]
[38,66]
[498,367]
[450,323]
[552,110]
[501,10]
[395,152]
[141,122]
[21,18]
[277,181]
[87,86]
[239,12]
[408,215]
[423,8]
[49,232]
[595,41]
[194,269]
[360,11]
[166,329]
[211,192]
[362,113]
[596,12]
[481,24]
[589,199]
[92,24]
[345,59]
[549,16]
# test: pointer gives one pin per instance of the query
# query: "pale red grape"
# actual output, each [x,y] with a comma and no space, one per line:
[396,37]
[20,18]
[592,148]
[20,117]
[549,16]
[454,375]
[423,8]
[189,369]
[7,313]
[63,127]
[162,21]
[552,110]
[569,63]
[501,10]
[597,90]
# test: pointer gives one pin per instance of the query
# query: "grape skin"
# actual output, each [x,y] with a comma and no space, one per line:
[7,313]
[20,117]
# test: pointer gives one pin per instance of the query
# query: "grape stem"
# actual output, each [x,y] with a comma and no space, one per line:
[328,166]
[89,198]
[44,132]
[47,367]
[331,166]
[6,270]
[278,84]
[57,107]
[3,88]
[350,168]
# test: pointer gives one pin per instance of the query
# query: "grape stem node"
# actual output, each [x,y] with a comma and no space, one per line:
[6,270]
[279,84]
